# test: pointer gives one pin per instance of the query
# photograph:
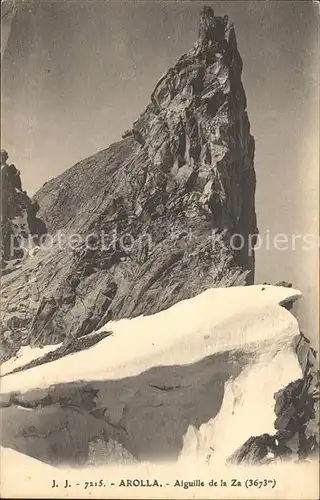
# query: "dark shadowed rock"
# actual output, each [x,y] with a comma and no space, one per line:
[261,450]
[18,214]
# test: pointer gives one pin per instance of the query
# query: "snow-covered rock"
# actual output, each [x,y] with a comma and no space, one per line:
[194,381]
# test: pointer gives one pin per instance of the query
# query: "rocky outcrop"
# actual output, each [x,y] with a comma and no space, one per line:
[20,233]
[150,217]
[20,226]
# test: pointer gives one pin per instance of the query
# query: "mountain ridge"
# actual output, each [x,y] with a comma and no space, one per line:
[168,197]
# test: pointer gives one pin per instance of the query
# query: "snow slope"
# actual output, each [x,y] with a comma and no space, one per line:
[193,382]
[21,462]
[25,355]
[247,408]
[214,321]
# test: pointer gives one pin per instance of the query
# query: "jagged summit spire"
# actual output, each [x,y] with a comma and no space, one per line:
[207,11]
[210,26]
[206,23]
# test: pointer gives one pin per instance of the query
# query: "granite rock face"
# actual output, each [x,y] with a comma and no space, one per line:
[151,216]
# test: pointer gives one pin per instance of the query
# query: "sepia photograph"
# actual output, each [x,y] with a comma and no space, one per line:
[159,330]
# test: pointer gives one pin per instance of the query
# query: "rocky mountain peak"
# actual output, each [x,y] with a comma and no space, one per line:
[165,214]
[167,198]
[197,134]
[211,27]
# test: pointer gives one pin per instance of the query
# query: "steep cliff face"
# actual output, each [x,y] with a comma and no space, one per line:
[143,212]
